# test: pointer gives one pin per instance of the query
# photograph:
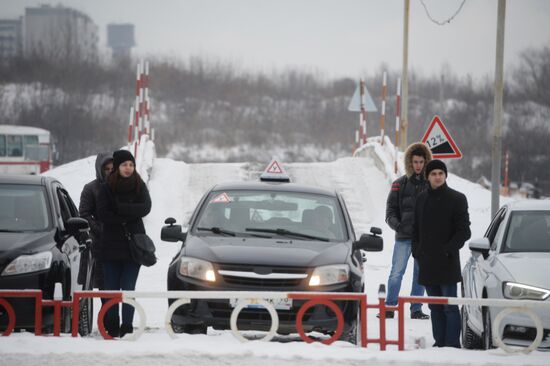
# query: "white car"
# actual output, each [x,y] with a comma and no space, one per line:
[512,261]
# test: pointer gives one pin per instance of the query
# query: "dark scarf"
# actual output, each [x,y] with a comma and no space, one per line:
[120,184]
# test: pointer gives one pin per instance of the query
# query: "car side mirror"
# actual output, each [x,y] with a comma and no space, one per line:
[76,225]
[376,230]
[172,232]
[370,242]
[480,246]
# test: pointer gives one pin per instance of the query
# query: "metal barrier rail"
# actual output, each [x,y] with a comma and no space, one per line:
[258,297]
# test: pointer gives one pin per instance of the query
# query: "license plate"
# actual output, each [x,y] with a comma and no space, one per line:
[279,304]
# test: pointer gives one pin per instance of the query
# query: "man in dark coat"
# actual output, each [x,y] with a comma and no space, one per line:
[88,210]
[442,226]
[400,217]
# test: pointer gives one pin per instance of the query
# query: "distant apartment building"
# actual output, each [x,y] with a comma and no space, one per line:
[120,38]
[59,33]
[11,38]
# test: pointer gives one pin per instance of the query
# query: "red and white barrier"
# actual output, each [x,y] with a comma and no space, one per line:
[255,297]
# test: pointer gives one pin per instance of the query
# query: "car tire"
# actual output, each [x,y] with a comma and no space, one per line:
[86,317]
[487,340]
[194,329]
[470,340]
[189,328]
[352,333]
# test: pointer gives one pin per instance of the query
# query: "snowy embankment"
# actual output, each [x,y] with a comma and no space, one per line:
[176,188]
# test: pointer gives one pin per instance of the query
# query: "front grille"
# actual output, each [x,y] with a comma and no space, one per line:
[223,310]
[251,277]
[529,334]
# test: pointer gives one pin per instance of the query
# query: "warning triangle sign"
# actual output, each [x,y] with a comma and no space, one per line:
[274,168]
[275,172]
[440,141]
[221,198]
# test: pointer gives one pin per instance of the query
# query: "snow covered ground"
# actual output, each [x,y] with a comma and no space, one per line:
[176,188]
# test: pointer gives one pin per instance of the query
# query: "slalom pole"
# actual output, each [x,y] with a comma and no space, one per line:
[397,120]
[383,113]
[506,189]
[363,111]
[147,105]
[131,122]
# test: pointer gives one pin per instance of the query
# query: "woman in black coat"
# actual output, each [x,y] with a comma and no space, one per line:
[123,201]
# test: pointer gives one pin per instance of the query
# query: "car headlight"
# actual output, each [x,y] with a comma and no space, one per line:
[328,275]
[197,268]
[518,291]
[29,263]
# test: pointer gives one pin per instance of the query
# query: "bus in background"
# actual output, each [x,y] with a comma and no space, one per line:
[24,150]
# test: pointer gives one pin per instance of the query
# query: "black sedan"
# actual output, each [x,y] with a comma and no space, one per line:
[41,243]
[266,236]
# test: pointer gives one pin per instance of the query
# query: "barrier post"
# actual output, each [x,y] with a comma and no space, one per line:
[382,307]
[401,324]
[363,318]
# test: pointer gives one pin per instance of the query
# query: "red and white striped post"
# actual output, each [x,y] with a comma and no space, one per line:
[506,189]
[130,125]
[383,112]
[397,120]
[363,112]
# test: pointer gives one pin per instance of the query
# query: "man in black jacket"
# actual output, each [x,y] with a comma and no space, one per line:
[442,226]
[400,217]
[88,210]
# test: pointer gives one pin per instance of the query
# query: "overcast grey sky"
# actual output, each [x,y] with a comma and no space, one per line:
[336,37]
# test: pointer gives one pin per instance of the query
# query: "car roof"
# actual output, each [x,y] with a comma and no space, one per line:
[530,205]
[273,186]
[25,179]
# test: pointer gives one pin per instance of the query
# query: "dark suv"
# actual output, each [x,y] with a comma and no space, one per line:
[41,242]
[265,236]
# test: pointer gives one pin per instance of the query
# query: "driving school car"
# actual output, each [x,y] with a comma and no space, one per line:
[267,236]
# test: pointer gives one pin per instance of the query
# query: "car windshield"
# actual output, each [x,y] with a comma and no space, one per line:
[529,231]
[23,208]
[301,216]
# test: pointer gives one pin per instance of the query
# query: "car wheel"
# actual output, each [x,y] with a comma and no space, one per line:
[194,329]
[470,340]
[189,328]
[352,332]
[488,330]
[86,317]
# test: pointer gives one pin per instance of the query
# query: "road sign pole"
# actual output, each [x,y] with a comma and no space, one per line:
[497,121]
[405,91]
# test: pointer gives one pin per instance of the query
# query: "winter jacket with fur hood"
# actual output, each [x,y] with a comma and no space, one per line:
[404,191]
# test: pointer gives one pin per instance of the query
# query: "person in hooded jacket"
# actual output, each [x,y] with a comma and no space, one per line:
[123,201]
[88,210]
[442,226]
[400,217]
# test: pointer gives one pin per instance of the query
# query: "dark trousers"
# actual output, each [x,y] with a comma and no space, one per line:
[446,322]
[120,276]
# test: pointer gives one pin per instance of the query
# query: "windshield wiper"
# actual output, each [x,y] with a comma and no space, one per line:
[285,232]
[217,230]
[9,231]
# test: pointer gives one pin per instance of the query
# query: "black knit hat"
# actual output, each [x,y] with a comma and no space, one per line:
[120,156]
[436,164]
